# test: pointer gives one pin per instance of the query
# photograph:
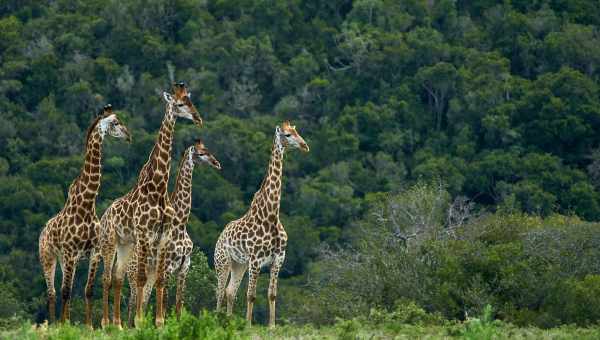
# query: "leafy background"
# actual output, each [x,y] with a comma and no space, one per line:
[498,100]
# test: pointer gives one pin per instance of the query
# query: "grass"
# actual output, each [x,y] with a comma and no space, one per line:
[217,326]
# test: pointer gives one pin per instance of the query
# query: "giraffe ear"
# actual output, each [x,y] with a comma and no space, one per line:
[167,96]
[278,130]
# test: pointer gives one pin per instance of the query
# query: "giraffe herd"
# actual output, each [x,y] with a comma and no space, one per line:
[143,236]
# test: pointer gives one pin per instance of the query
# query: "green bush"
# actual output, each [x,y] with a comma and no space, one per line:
[200,285]
[482,328]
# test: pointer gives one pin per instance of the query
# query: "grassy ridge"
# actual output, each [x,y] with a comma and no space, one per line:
[217,326]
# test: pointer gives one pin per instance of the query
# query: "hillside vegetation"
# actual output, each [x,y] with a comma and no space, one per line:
[454,163]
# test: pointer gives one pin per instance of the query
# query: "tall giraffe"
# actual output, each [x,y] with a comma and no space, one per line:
[258,238]
[135,220]
[178,244]
[70,234]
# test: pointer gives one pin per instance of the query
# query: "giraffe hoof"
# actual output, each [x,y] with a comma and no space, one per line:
[159,322]
[105,323]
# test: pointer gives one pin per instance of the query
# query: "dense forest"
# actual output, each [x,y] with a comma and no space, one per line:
[454,163]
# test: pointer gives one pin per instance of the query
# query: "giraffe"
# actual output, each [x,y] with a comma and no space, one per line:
[178,243]
[70,234]
[134,221]
[258,238]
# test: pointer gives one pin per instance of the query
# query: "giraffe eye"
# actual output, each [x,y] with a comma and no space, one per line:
[288,135]
[180,104]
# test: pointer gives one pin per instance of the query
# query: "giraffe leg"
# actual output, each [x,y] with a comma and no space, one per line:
[223,268]
[181,276]
[160,285]
[89,287]
[131,303]
[148,289]
[237,274]
[253,273]
[123,257]
[48,261]
[108,259]
[132,289]
[141,250]
[275,267]
[68,266]
[165,308]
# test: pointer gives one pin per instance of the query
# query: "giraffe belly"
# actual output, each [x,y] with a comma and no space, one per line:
[265,261]
[237,255]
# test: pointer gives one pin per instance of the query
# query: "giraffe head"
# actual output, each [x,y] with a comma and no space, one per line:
[199,154]
[108,122]
[290,137]
[182,105]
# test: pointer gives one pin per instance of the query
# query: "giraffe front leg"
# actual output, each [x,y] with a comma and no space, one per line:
[131,304]
[253,273]
[89,287]
[275,267]
[141,254]
[68,266]
[160,285]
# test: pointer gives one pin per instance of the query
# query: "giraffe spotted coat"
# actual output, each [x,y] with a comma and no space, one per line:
[136,220]
[71,234]
[258,238]
[178,244]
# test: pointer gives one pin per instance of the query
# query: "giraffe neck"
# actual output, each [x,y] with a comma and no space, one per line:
[84,189]
[158,166]
[181,197]
[268,196]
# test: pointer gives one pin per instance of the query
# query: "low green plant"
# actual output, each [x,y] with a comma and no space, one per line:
[347,329]
[482,328]
[406,312]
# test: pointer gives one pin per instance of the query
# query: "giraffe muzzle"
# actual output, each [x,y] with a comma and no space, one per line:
[304,147]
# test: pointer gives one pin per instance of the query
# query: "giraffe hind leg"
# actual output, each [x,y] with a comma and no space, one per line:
[181,276]
[89,287]
[132,290]
[223,268]
[69,265]
[108,258]
[48,261]
[124,252]
[237,274]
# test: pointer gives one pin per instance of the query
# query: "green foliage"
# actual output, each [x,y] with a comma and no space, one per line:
[406,312]
[498,101]
[483,327]
[415,247]
[200,285]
